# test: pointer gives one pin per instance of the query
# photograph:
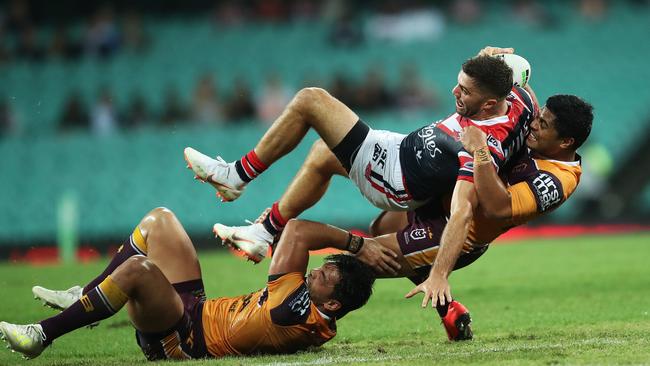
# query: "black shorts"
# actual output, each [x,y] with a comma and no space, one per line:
[419,242]
[185,340]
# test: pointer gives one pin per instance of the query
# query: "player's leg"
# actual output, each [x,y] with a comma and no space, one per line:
[310,108]
[388,222]
[307,187]
[159,236]
[154,306]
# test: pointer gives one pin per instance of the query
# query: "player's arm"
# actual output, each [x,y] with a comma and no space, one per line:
[300,236]
[436,286]
[493,196]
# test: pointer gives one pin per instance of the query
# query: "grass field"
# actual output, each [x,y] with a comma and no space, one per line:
[566,301]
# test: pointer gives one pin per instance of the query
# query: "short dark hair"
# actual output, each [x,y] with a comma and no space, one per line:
[355,285]
[573,117]
[491,75]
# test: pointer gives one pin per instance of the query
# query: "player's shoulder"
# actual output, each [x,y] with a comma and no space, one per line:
[291,304]
[521,96]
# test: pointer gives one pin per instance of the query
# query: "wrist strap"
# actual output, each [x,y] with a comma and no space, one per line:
[354,244]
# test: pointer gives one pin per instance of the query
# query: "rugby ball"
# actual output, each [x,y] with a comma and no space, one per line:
[520,68]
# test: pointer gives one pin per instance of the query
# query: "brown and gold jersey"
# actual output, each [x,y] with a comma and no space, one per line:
[280,318]
[536,186]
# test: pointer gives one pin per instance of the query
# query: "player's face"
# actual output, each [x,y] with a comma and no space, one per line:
[321,282]
[543,137]
[469,98]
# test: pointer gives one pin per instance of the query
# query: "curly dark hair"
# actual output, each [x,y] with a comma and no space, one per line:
[355,286]
[491,75]
[573,117]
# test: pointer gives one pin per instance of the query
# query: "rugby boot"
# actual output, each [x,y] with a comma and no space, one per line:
[29,340]
[457,322]
[253,240]
[58,300]
[217,172]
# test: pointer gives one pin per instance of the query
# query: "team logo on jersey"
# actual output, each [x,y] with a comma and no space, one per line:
[495,144]
[429,140]
[547,191]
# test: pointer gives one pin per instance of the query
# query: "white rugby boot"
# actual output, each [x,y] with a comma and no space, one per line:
[27,339]
[58,300]
[218,172]
[253,240]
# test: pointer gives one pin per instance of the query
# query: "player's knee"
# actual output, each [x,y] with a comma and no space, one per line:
[307,98]
[294,231]
[163,213]
[137,267]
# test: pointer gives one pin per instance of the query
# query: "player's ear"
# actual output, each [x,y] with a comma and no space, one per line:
[567,143]
[489,103]
[332,305]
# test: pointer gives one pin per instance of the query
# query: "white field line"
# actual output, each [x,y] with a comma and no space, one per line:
[524,347]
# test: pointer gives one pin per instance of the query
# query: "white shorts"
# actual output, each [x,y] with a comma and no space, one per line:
[377,172]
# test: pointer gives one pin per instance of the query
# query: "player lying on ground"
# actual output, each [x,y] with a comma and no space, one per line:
[156,274]
[542,178]
[393,171]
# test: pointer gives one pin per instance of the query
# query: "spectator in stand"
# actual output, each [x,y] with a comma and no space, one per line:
[28,47]
[466,12]
[343,90]
[137,114]
[62,47]
[412,92]
[205,104]
[240,105]
[594,10]
[75,114]
[174,110]
[373,94]
[102,37]
[104,120]
[272,100]
[8,123]
[135,38]
[228,13]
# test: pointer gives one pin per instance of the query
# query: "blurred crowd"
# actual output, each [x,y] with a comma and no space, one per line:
[208,105]
[38,31]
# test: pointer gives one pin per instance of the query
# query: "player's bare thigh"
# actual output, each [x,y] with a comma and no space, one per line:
[331,118]
[153,305]
[388,222]
[169,246]
[390,241]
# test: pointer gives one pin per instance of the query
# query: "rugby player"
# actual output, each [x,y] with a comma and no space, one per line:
[395,172]
[539,180]
[156,274]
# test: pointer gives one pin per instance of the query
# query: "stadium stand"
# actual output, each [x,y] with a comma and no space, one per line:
[116,178]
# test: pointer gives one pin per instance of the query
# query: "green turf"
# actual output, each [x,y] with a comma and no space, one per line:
[568,301]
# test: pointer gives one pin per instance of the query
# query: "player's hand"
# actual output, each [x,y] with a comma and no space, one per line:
[473,138]
[380,258]
[491,51]
[435,288]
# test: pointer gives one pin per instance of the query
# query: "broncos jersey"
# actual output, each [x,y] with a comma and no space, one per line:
[432,157]
[280,318]
[536,186]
